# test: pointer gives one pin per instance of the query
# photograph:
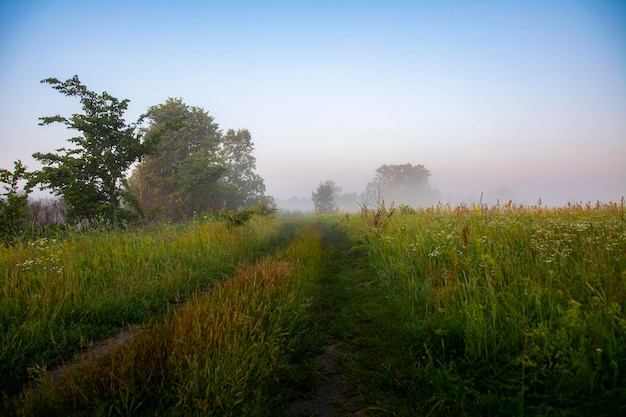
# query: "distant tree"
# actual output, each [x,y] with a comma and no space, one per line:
[500,195]
[244,187]
[324,197]
[13,203]
[183,177]
[90,175]
[401,184]
[46,211]
[402,176]
[347,202]
[296,204]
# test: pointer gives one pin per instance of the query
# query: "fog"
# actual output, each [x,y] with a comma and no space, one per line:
[509,101]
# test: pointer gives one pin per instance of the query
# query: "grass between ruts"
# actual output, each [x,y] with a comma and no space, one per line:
[439,312]
[58,296]
[225,352]
[354,311]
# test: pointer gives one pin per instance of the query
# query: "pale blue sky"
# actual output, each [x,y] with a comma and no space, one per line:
[526,95]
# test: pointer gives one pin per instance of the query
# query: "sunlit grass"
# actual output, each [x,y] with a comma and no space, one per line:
[58,295]
[222,353]
[443,311]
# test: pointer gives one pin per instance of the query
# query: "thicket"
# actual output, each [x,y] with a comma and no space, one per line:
[13,204]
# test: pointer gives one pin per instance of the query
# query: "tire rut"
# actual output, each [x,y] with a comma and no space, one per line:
[330,395]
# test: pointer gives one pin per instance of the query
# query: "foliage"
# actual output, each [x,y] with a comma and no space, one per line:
[241,217]
[245,188]
[324,197]
[178,179]
[197,168]
[13,203]
[89,176]
[400,184]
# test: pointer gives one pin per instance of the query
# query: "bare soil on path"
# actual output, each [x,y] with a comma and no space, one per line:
[330,397]
[57,374]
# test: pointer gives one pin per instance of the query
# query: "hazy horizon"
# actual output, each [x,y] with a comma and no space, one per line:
[524,97]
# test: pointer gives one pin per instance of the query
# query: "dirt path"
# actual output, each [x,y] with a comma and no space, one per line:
[330,397]
[97,349]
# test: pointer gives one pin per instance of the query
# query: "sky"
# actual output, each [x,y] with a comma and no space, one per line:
[528,97]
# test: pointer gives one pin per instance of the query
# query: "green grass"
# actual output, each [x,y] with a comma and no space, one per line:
[355,311]
[460,311]
[223,353]
[56,296]
[509,312]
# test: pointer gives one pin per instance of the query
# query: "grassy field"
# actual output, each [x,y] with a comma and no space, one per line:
[515,311]
[435,312]
[59,295]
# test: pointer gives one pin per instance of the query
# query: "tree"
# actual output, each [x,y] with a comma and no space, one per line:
[182,177]
[347,202]
[401,184]
[197,168]
[245,187]
[13,203]
[324,197]
[90,175]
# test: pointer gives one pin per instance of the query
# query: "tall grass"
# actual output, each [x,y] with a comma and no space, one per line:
[518,310]
[514,311]
[223,353]
[56,296]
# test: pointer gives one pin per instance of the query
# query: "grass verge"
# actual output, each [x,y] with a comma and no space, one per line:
[226,352]
[473,312]
[58,296]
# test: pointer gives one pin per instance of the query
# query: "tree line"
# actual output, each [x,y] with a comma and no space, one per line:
[179,160]
[172,163]
[403,184]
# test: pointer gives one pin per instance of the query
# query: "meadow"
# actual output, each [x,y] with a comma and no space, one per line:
[445,311]
[58,295]
[509,311]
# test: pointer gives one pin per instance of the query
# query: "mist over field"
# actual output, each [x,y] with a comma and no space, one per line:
[313,207]
[509,101]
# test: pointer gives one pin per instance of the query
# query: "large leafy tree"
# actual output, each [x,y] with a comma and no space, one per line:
[90,174]
[182,177]
[245,188]
[401,184]
[196,168]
